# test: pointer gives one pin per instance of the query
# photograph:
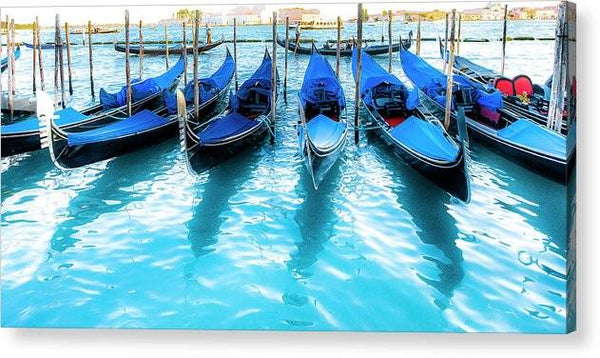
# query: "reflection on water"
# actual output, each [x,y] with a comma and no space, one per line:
[137,242]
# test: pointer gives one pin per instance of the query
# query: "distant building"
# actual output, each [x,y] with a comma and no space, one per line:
[546,13]
[493,12]
[298,14]
[214,19]
[245,15]
[471,14]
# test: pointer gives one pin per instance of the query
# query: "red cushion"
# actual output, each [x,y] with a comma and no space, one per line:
[505,86]
[522,85]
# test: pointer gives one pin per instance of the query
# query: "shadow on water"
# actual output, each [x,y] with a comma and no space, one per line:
[110,191]
[224,182]
[24,172]
[316,218]
[428,206]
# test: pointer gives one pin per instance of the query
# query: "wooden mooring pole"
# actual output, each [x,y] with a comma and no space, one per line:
[359,24]
[141,55]
[458,36]
[285,70]
[390,41]
[69,68]
[561,93]
[418,45]
[39,52]
[235,73]
[90,59]
[10,49]
[446,46]
[449,77]
[196,97]
[167,46]
[127,67]
[184,46]
[34,59]
[504,39]
[1,56]
[274,79]
[338,47]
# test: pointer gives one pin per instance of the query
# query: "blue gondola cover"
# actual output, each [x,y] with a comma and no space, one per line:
[260,82]
[142,89]
[139,122]
[372,75]
[320,83]
[531,135]
[324,132]
[425,138]
[226,127]
[65,116]
[208,87]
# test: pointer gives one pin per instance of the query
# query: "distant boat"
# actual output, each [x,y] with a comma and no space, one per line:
[319,25]
[330,49]
[44,46]
[95,30]
[175,49]
[323,124]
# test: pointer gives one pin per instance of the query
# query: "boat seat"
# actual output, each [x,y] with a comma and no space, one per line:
[523,84]
[504,85]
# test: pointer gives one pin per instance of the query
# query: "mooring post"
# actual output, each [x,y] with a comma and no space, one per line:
[359,24]
[285,71]
[90,58]
[34,59]
[274,79]
[235,73]
[10,44]
[390,41]
[196,97]
[69,68]
[382,27]
[449,77]
[418,44]
[458,36]
[1,55]
[184,47]
[61,62]
[446,46]
[141,54]
[39,52]
[561,91]
[338,48]
[504,38]
[127,68]
[167,46]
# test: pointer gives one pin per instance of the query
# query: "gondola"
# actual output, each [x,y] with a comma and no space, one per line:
[157,50]
[323,125]
[4,61]
[24,135]
[528,143]
[246,120]
[346,50]
[521,98]
[417,136]
[44,46]
[146,127]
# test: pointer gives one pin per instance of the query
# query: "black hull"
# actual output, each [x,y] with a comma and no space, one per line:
[548,167]
[371,50]
[78,156]
[13,144]
[452,177]
[202,158]
[174,50]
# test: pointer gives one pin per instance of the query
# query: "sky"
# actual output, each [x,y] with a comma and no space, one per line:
[150,11]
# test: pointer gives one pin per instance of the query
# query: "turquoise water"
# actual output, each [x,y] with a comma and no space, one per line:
[136,242]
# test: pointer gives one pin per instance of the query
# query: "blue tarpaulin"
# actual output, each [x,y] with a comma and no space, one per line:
[527,134]
[142,89]
[320,83]
[208,87]
[433,82]
[139,122]
[260,82]
[226,127]
[425,138]
[373,75]
[65,117]
[324,132]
